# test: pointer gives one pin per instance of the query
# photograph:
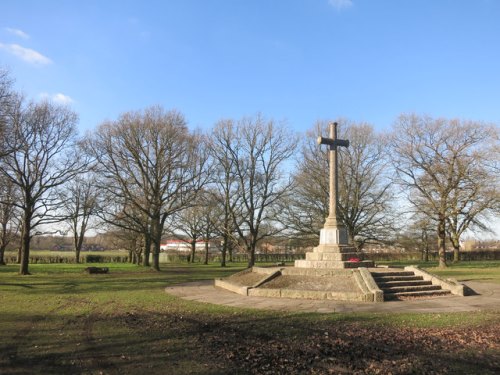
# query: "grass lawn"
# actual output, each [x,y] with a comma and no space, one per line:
[482,271]
[60,320]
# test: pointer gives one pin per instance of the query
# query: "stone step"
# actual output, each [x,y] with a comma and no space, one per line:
[429,293]
[384,279]
[303,263]
[389,284]
[414,288]
[393,273]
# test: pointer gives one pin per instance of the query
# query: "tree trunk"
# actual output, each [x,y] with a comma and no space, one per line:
[25,244]
[206,252]
[2,255]
[251,258]
[441,232]
[193,249]
[456,247]
[456,253]
[78,246]
[20,248]
[251,253]
[425,242]
[4,241]
[156,259]
[224,251]
[147,249]
[156,251]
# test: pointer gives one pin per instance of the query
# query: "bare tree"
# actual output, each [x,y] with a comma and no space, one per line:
[152,165]
[433,158]
[212,212]
[79,201]
[198,222]
[43,139]
[190,223]
[476,199]
[365,194]
[9,225]
[223,146]
[421,229]
[7,100]
[256,150]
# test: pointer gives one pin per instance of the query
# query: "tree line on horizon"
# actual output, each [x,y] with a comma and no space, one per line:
[147,174]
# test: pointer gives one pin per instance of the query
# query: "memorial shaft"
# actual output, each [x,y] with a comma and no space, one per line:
[334,186]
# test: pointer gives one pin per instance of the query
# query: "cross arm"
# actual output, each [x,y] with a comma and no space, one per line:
[333,142]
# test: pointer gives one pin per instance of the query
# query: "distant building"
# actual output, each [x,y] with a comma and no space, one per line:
[184,246]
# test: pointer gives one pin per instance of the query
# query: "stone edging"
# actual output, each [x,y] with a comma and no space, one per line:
[452,285]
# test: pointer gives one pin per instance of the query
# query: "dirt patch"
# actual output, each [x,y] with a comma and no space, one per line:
[246,279]
[274,345]
[320,283]
[356,349]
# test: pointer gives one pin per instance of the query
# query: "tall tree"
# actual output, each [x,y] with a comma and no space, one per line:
[79,201]
[9,224]
[433,159]
[223,146]
[476,199]
[152,165]
[190,223]
[42,137]
[211,215]
[365,193]
[256,150]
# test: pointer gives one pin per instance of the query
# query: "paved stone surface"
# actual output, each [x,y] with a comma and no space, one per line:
[487,298]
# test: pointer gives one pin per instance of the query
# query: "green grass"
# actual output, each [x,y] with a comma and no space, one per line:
[62,320]
[482,271]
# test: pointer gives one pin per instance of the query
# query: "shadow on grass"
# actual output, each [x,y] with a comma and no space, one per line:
[182,342]
[51,279]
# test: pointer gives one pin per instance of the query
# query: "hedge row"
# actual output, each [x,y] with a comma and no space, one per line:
[433,256]
[45,259]
[259,258]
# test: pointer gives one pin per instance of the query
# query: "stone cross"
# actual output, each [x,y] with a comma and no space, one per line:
[332,220]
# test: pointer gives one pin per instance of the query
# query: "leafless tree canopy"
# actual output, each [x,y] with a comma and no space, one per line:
[42,140]
[442,165]
[251,154]
[153,167]
[238,182]
[79,203]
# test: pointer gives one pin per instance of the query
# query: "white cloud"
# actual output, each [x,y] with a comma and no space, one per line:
[340,4]
[29,55]
[57,98]
[17,32]
[62,99]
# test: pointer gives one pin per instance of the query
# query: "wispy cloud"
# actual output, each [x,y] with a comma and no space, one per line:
[341,4]
[17,32]
[57,98]
[29,55]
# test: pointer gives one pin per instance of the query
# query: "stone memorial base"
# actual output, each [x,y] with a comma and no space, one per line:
[333,252]
[291,282]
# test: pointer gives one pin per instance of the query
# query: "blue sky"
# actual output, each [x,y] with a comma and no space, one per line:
[293,60]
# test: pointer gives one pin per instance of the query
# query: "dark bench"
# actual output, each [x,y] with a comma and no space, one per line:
[91,270]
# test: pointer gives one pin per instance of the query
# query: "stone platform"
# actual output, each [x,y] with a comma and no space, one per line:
[357,284]
[307,283]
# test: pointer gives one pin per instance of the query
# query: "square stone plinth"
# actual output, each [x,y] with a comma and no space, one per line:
[333,236]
